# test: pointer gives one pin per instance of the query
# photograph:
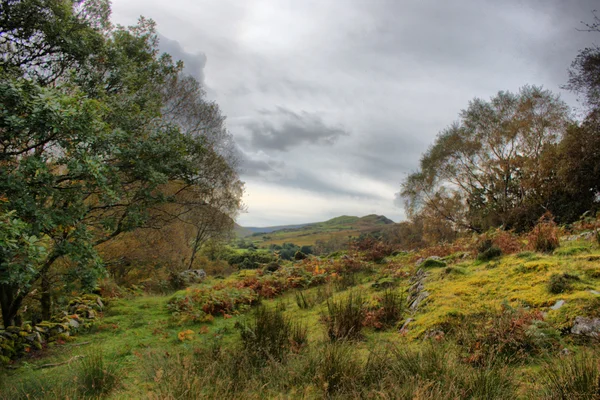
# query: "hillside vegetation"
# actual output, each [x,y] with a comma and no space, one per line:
[443,323]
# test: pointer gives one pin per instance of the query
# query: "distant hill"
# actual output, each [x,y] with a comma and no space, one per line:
[269,229]
[308,234]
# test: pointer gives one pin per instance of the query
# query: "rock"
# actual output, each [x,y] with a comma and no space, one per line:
[594,292]
[405,324]
[193,275]
[565,352]
[418,300]
[558,305]
[74,323]
[419,261]
[589,327]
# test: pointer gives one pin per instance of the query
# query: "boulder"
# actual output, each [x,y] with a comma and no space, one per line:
[192,276]
[589,327]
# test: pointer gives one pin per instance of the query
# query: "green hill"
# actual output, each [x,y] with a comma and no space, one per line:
[339,227]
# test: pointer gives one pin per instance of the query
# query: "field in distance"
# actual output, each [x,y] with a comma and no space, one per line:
[339,227]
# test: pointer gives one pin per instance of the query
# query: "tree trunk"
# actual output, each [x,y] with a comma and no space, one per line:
[6,300]
[46,300]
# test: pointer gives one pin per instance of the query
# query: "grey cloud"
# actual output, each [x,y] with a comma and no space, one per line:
[284,129]
[394,72]
[193,63]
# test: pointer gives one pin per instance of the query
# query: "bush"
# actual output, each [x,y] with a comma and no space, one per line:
[574,377]
[433,263]
[345,318]
[560,283]
[487,250]
[544,237]
[490,254]
[299,256]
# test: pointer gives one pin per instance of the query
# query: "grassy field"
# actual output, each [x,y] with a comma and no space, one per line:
[486,330]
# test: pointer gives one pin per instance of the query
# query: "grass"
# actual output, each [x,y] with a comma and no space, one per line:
[296,345]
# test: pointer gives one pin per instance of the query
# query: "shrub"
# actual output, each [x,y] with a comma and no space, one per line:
[299,256]
[544,237]
[433,263]
[268,336]
[490,254]
[573,377]
[272,267]
[345,318]
[558,283]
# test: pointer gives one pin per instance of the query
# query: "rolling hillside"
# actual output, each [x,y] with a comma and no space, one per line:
[342,227]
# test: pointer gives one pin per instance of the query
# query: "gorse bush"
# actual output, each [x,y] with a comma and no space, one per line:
[345,317]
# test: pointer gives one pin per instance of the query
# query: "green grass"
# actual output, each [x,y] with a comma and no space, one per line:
[151,354]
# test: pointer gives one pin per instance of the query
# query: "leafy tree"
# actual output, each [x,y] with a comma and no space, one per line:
[86,149]
[483,170]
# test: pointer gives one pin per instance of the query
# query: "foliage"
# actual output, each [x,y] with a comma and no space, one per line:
[199,304]
[90,148]
[481,172]
[487,250]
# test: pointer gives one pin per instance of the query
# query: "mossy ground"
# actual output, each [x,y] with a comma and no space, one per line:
[133,328]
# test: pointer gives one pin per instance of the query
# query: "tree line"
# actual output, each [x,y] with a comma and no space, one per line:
[101,135]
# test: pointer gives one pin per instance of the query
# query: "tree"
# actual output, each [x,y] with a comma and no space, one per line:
[483,170]
[86,152]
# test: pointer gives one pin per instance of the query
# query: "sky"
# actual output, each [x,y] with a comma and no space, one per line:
[332,102]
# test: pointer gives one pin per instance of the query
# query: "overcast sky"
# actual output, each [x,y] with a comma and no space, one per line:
[332,102]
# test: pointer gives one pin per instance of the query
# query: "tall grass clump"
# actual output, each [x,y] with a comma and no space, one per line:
[392,307]
[345,317]
[304,301]
[96,376]
[335,368]
[269,335]
[544,237]
[573,377]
